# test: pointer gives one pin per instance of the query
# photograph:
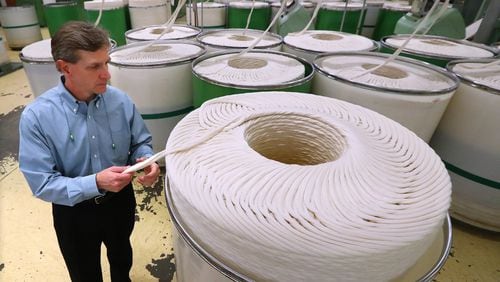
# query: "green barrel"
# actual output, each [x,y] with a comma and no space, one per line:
[388,18]
[239,11]
[113,19]
[206,88]
[56,14]
[436,50]
[330,17]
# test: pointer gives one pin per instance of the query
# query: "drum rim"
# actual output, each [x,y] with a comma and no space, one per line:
[383,43]
[376,44]
[273,87]
[471,82]
[179,61]
[128,32]
[406,92]
[211,31]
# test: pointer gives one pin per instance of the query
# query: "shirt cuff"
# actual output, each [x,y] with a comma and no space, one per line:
[90,184]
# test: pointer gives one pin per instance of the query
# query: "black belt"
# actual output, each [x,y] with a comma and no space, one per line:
[101,199]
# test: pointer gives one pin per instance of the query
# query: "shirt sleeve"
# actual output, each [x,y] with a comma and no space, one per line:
[141,138]
[36,161]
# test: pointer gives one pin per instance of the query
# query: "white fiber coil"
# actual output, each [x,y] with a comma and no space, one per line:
[299,187]
[159,53]
[153,32]
[238,38]
[251,69]
[329,41]
[440,46]
[485,73]
[398,75]
[39,51]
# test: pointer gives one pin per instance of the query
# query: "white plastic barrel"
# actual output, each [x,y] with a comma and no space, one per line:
[20,25]
[468,141]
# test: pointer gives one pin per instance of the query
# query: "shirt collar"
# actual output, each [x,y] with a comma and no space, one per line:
[71,101]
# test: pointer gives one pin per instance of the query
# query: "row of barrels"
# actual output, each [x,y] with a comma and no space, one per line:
[21,23]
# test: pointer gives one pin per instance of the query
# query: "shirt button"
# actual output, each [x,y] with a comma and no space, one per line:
[74,110]
[95,156]
[93,136]
[88,117]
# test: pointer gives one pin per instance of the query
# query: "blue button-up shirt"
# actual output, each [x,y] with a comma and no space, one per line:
[65,142]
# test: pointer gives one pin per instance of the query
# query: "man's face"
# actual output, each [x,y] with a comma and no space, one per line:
[89,75]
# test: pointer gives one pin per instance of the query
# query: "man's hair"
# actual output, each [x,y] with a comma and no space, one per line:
[74,36]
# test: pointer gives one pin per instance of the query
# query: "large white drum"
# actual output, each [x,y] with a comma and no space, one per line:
[468,141]
[209,15]
[20,25]
[234,38]
[148,12]
[158,79]
[39,66]
[152,32]
[407,91]
[314,42]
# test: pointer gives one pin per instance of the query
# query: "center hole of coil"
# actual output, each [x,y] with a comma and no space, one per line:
[437,42]
[326,36]
[156,48]
[239,37]
[386,71]
[295,139]
[159,30]
[247,63]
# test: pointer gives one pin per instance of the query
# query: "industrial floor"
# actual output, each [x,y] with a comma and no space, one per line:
[28,245]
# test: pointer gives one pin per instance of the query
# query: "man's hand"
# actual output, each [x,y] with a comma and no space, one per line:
[112,179]
[151,174]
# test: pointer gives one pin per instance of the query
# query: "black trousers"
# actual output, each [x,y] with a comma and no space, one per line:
[82,229]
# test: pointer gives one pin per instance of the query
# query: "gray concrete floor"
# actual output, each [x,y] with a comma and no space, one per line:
[28,246]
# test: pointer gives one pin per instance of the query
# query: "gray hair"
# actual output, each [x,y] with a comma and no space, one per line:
[74,36]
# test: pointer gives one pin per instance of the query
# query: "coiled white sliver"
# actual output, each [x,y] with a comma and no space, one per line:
[153,32]
[143,53]
[251,69]
[397,75]
[481,73]
[40,50]
[237,38]
[329,41]
[301,187]
[440,47]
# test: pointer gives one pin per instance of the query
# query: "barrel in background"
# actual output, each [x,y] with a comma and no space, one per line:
[20,25]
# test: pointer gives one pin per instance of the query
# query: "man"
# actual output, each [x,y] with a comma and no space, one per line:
[75,141]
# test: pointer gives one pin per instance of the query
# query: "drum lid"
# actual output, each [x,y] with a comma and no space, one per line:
[251,69]
[238,38]
[38,51]
[160,53]
[152,32]
[401,75]
[441,47]
[329,41]
[484,73]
